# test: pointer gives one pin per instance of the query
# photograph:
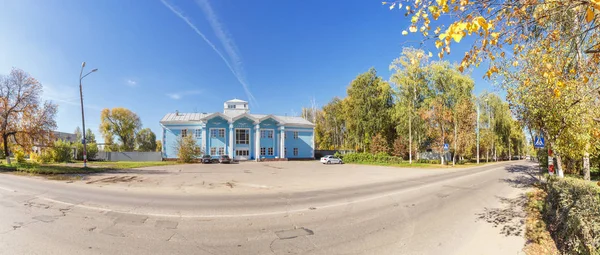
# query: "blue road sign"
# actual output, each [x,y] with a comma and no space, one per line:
[446,146]
[539,142]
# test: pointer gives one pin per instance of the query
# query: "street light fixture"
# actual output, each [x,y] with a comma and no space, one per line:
[82,114]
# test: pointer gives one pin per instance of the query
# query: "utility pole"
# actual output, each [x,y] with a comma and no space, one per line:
[477,131]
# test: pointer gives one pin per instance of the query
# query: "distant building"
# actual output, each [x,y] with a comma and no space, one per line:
[56,135]
[65,136]
[239,134]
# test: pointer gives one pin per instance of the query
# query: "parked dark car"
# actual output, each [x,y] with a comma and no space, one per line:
[224,159]
[206,159]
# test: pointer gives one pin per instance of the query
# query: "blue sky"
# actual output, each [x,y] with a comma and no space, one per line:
[156,57]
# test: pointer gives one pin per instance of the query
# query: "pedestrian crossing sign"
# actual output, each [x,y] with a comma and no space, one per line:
[539,142]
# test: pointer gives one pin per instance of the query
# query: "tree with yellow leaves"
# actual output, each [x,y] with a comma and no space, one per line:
[503,29]
[24,119]
[121,123]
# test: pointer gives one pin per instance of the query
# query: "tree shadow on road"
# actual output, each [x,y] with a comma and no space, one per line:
[521,176]
[510,218]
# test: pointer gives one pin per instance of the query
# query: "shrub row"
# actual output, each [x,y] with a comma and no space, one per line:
[429,161]
[371,158]
[572,212]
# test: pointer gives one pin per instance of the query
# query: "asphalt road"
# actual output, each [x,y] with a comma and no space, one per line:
[472,211]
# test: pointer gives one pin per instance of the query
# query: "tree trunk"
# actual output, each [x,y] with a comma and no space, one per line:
[409,139]
[417,157]
[586,166]
[487,155]
[455,142]
[509,156]
[559,168]
[495,154]
[443,142]
[6,153]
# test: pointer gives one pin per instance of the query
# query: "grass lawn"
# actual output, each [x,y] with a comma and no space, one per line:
[77,167]
[421,165]
[33,168]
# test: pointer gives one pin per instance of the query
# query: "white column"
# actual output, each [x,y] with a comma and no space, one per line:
[282,143]
[231,140]
[204,142]
[313,143]
[257,142]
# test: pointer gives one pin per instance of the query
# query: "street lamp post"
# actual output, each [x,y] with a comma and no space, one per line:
[82,114]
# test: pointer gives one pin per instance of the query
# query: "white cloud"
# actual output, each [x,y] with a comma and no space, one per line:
[174,96]
[131,83]
[179,95]
[237,69]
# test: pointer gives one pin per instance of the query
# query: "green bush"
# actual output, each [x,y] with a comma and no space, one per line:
[61,151]
[382,158]
[187,149]
[19,155]
[34,157]
[572,212]
[338,155]
[429,161]
[91,150]
[44,157]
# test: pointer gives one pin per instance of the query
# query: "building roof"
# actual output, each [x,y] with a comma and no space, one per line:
[235,100]
[180,118]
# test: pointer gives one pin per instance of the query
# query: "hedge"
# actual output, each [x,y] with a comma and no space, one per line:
[572,212]
[429,161]
[371,158]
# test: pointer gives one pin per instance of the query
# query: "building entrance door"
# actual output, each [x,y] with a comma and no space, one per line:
[241,154]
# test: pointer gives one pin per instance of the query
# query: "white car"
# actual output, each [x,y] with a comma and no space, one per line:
[330,159]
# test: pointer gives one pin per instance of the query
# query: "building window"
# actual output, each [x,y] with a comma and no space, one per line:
[266,134]
[295,151]
[270,151]
[263,151]
[221,151]
[284,151]
[198,133]
[183,132]
[217,132]
[242,136]
[231,106]
[213,151]
[295,134]
[242,153]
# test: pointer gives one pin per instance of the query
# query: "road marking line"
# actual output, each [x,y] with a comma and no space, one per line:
[259,214]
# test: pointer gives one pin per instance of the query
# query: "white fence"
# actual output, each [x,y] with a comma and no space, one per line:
[129,156]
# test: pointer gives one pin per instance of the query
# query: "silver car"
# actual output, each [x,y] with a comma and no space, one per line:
[330,159]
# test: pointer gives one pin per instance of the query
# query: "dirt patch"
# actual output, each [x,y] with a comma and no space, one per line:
[116,179]
[61,177]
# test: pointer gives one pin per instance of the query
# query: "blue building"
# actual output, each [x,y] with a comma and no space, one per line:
[239,134]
